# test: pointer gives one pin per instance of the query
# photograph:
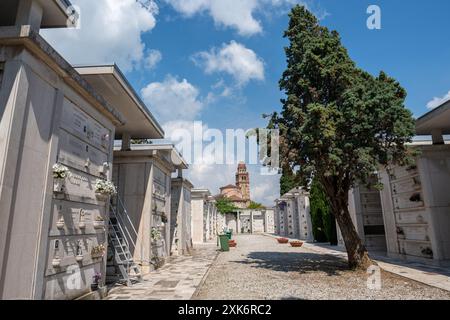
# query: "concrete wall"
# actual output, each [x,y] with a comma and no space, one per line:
[40,119]
[416,206]
[144,186]
[180,226]
[292,215]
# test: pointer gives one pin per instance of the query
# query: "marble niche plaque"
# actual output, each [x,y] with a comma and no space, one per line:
[75,153]
[72,251]
[77,218]
[80,187]
[80,124]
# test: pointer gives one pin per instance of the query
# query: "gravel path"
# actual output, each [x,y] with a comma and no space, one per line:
[260,268]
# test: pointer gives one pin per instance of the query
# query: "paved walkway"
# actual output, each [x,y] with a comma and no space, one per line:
[434,276]
[176,280]
[260,268]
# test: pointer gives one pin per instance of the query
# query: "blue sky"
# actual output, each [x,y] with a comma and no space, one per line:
[219,61]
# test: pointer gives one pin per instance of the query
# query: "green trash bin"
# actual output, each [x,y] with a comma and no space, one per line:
[223,238]
[228,234]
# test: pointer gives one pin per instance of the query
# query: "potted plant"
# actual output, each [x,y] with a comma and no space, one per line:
[155,234]
[296,244]
[104,189]
[282,240]
[60,173]
[99,222]
[98,251]
[96,281]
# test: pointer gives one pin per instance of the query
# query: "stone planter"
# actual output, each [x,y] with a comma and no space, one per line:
[283,240]
[102,197]
[94,286]
[296,244]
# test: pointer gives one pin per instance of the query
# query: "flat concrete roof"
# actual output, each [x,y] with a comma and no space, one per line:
[176,158]
[110,83]
[55,13]
[436,119]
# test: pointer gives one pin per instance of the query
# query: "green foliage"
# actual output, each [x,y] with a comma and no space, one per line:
[323,223]
[255,206]
[225,205]
[288,181]
[338,122]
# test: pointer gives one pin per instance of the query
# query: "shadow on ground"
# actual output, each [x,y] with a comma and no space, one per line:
[296,262]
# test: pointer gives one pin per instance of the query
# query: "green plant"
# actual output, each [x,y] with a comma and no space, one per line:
[338,123]
[225,205]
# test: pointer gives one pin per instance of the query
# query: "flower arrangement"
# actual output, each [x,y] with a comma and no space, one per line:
[105,187]
[155,234]
[98,251]
[60,171]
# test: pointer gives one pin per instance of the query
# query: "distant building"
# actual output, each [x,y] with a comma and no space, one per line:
[239,193]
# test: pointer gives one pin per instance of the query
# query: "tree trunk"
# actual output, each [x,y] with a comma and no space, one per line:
[358,257]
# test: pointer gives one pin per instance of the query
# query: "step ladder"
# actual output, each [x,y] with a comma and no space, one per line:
[121,235]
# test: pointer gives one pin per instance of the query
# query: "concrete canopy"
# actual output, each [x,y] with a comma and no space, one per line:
[169,151]
[110,83]
[55,12]
[437,119]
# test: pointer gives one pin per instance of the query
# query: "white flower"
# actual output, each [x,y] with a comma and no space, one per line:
[105,187]
[60,171]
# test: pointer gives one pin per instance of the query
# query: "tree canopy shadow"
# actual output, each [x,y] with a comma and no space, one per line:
[296,262]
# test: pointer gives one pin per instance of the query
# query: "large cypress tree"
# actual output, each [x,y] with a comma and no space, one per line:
[338,123]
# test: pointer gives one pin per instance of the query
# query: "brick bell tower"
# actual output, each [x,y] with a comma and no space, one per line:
[243,181]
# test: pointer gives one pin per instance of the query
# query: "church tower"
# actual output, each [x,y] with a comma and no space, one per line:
[243,181]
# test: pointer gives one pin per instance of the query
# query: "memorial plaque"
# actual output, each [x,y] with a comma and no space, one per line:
[80,187]
[373,219]
[418,233]
[72,251]
[77,218]
[412,217]
[75,153]
[80,124]
[159,177]
[370,197]
[416,248]
[408,201]
[398,172]
[409,184]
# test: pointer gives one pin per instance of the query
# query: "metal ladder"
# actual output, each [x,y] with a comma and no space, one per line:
[122,233]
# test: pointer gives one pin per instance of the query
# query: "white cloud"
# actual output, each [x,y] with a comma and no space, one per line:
[436,102]
[234,59]
[173,99]
[152,59]
[110,32]
[236,14]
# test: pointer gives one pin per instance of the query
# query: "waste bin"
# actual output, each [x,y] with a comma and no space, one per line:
[224,242]
[229,234]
